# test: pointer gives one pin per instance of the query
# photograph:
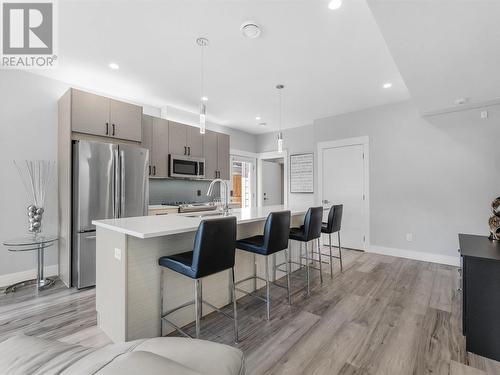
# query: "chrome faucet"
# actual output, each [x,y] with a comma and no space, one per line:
[226,200]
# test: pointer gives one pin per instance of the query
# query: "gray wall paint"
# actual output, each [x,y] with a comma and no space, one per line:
[28,130]
[433,177]
[296,141]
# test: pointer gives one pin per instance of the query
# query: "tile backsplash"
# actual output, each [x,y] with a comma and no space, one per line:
[170,190]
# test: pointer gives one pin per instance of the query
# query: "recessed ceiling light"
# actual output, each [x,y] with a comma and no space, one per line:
[460,101]
[250,30]
[114,66]
[204,98]
[257,118]
[263,124]
[387,85]
[334,4]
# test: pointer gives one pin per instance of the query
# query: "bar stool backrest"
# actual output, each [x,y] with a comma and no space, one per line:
[312,223]
[334,218]
[276,231]
[214,246]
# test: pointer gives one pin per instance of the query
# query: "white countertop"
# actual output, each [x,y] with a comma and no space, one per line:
[156,226]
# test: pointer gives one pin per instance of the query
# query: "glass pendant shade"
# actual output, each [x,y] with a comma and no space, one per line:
[280,142]
[203,117]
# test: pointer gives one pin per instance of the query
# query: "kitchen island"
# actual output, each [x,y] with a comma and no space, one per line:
[128,279]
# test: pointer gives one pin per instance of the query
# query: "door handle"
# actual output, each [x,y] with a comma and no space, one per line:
[150,170]
[154,170]
[113,126]
[107,128]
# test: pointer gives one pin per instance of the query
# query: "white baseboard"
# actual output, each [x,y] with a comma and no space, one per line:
[417,255]
[12,278]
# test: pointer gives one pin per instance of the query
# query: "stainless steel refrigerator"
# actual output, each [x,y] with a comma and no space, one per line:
[109,181]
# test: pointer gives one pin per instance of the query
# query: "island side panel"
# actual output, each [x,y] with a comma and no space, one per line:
[143,281]
[111,298]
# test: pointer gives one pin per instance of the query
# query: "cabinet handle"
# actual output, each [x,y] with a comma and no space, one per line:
[154,170]
[113,126]
[189,150]
[150,170]
[107,128]
[185,150]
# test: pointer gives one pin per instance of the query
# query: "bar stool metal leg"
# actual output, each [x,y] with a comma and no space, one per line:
[340,252]
[268,301]
[331,257]
[274,267]
[288,264]
[161,302]
[235,314]
[300,254]
[307,268]
[197,307]
[320,261]
[255,271]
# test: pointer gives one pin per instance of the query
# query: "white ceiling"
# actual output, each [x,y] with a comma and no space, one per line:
[445,49]
[330,62]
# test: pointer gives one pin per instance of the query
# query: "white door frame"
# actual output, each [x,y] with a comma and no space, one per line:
[254,157]
[267,156]
[363,141]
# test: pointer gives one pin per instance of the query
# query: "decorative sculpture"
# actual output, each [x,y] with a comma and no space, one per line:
[36,176]
[495,220]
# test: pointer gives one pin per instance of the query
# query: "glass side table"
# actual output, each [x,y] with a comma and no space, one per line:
[32,242]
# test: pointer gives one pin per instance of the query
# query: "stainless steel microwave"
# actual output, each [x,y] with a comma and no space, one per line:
[182,166]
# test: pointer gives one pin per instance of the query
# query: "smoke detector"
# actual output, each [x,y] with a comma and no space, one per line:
[250,30]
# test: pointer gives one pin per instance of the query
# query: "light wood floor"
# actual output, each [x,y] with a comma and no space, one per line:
[382,315]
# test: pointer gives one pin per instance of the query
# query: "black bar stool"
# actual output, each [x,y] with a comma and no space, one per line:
[213,252]
[275,239]
[333,226]
[310,231]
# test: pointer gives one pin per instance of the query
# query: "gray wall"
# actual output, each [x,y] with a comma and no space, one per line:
[296,141]
[28,130]
[433,177]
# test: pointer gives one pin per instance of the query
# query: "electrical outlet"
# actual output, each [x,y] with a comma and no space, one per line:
[118,253]
[484,114]
[409,237]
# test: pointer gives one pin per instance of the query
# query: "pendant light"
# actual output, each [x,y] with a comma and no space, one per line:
[202,42]
[280,134]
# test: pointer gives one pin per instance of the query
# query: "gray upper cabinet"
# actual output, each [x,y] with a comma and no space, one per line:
[210,153]
[194,142]
[147,138]
[90,113]
[177,138]
[101,116]
[160,147]
[155,139]
[185,140]
[125,120]
[223,156]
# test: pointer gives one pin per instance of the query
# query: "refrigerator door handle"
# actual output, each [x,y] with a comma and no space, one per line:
[117,183]
[122,182]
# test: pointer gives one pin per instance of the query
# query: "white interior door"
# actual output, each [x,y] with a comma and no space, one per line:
[272,184]
[343,183]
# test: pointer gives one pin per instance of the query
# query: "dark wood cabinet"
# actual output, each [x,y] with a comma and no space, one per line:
[481,295]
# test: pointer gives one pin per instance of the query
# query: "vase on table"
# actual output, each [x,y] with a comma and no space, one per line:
[36,176]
